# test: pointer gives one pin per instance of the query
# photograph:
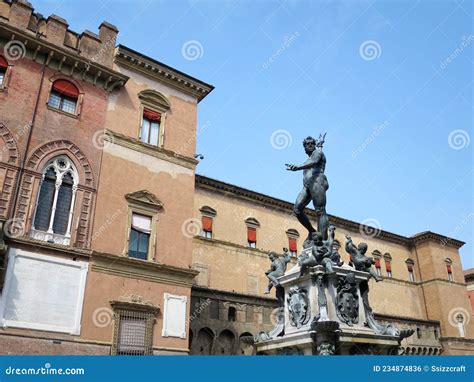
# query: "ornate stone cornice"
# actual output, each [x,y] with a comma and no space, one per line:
[164,73]
[142,270]
[68,250]
[434,237]
[210,184]
[63,59]
[158,152]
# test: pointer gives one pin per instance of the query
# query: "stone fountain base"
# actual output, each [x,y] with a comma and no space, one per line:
[325,314]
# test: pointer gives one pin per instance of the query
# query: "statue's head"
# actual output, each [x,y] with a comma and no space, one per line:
[309,145]
[362,247]
[272,256]
[317,237]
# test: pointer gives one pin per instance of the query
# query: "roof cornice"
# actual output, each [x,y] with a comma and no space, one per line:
[164,73]
[65,60]
[206,183]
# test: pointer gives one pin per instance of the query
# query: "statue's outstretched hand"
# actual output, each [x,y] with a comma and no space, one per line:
[291,167]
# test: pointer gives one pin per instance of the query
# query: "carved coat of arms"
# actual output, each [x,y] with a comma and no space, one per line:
[347,300]
[298,306]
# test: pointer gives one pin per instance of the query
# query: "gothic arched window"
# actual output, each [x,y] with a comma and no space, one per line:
[53,215]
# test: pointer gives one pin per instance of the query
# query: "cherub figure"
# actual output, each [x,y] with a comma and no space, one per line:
[360,261]
[320,253]
[277,269]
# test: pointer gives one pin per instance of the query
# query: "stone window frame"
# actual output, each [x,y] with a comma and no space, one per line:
[155,101]
[376,254]
[211,213]
[449,264]
[134,308]
[151,209]
[80,98]
[388,259]
[411,275]
[292,233]
[50,235]
[252,223]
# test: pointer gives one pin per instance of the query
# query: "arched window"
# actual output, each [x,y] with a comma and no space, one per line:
[154,108]
[55,204]
[64,96]
[3,71]
[231,314]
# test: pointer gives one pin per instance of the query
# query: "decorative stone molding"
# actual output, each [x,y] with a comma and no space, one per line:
[144,199]
[54,148]
[208,211]
[141,270]
[10,145]
[163,73]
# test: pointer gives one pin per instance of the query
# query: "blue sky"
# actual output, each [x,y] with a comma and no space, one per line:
[389,81]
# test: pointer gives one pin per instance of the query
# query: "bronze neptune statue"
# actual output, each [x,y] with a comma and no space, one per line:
[315,185]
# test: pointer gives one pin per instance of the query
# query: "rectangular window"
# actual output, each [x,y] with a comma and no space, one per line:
[131,339]
[450,272]
[206,227]
[139,240]
[62,102]
[388,268]
[150,129]
[292,246]
[411,274]
[252,237]
[133,331]
[2,76]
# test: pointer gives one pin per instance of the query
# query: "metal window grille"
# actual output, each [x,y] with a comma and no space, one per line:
[133,333]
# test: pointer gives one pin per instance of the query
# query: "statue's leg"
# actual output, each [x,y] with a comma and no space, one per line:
[318,194]
[302,201]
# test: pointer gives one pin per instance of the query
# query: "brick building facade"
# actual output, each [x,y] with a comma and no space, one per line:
[92,156]
[99,203]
